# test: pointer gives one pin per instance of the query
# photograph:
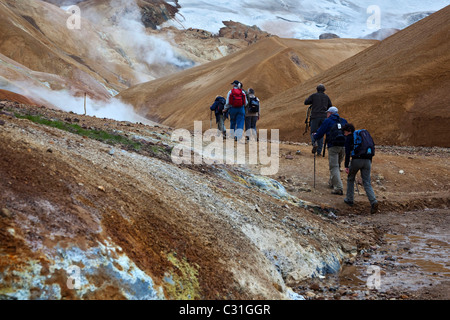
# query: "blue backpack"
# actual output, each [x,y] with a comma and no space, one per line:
[363,145]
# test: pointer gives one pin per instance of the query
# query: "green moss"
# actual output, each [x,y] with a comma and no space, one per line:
[100,135]
[184,283]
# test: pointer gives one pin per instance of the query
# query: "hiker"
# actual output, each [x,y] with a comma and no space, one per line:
[252,115]
[235,106]
[332,127]
[361,160]
[217,107]
[320,103]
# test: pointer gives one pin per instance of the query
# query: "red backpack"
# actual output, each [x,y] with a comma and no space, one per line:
[237,97]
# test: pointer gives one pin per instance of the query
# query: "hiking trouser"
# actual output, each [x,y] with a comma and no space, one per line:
[335,157]
[250,126]
[363,165]
[237,120]
[315,124]
[220,120]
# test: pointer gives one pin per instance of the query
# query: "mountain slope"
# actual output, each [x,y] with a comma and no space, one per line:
[398,89]
[34,34]
[138,226]
[270,66]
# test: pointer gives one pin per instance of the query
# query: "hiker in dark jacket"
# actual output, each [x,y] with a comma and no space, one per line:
[251,117]
[217,107]
[320,103]
[335,152]
[361,163]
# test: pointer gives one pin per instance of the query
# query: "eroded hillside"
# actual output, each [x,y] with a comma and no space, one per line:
[104,199]
[139,226]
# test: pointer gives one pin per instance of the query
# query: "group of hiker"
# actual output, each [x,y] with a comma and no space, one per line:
[242,108]
[345,144]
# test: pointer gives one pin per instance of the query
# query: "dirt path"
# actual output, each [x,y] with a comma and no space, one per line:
[411,256]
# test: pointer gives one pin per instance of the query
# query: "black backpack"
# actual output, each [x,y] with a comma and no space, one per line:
[337,137]
[221,101]
[253,105]
[363,145]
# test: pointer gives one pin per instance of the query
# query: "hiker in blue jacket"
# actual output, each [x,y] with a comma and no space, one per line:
[362,163]
[332,127]
[217,107]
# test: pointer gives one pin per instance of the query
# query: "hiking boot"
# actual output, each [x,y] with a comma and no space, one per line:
[374,208]
[350,203]
[338,192]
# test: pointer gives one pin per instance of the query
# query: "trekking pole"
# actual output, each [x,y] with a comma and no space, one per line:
[307,120]
[324,146]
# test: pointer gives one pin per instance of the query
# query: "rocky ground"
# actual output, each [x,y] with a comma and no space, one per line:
[105,196]
[411,184]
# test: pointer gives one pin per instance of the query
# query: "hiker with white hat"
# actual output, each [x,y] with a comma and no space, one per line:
[332,127]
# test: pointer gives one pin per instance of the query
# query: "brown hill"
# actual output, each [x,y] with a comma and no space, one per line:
[11,96]
[270,66]
[35,35]
[115,47]
[398,89]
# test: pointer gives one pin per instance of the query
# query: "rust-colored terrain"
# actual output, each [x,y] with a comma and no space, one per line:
[139,226]
[93,208]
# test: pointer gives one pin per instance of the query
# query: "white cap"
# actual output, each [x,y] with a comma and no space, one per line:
[333,110]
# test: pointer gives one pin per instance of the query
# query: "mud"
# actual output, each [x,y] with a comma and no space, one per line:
[410,262]
[410,257]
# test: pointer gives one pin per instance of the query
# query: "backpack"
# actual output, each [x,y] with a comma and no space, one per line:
[253,105]
[220,103]
[237,97]
[363,145]
[337,137]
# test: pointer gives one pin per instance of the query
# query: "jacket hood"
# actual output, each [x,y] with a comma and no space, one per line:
[335,116]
